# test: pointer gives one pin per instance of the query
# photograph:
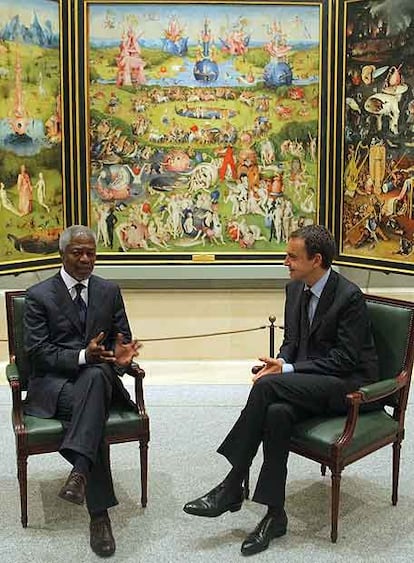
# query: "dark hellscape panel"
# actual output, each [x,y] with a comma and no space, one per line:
[374,216]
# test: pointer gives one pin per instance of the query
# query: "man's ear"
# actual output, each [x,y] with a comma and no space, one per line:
[318,259]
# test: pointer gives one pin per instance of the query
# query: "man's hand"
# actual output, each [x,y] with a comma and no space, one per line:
[96,354]
[125,353]
[271,366]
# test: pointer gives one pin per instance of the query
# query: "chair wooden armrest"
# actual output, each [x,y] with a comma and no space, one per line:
[354,401]
[135,371]
[365,395]
[382,389]
[12,374]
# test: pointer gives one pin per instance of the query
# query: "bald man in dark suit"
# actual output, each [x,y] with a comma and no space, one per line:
[78,339]
[327,352]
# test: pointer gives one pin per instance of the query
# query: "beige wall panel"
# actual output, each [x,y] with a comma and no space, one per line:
[168,313]
[158,314]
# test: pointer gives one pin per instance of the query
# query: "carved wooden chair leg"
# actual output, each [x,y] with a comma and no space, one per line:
[22,478]
[246,485]
[396,451]
[143,451]
[323,469]
[336,484]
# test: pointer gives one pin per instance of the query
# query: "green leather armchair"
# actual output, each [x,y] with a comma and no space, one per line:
[336,442]
[39,435]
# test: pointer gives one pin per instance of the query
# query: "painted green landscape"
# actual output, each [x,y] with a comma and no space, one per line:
[203,146]
[31,190]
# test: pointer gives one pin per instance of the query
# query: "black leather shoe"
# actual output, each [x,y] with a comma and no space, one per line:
[267,529]
[74,488]
[216,502]
[102,541]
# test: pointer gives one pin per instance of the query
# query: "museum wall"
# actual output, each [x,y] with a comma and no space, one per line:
[170,308]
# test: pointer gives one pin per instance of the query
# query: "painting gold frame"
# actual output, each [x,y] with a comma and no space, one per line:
[205,127]
[373,216]
[36,146]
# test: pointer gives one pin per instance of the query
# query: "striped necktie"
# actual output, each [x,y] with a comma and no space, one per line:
[80,305]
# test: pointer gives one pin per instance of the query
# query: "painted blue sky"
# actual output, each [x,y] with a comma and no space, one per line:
[298,22]
[45,10]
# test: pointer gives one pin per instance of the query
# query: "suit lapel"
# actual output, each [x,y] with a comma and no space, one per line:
[63,302]
[325,301]
[298,300]
[95,302]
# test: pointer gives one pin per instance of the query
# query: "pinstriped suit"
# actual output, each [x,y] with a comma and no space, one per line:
[53,339]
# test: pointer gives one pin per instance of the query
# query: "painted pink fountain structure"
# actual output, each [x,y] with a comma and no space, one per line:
[129,62]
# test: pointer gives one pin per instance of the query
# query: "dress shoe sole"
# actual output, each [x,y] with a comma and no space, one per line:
[257,548]
[103,553]
[213,514]
[64,495]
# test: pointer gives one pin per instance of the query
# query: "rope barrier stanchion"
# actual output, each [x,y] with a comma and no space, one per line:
[272,320]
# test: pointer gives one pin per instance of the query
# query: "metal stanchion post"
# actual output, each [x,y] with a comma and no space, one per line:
[272,320]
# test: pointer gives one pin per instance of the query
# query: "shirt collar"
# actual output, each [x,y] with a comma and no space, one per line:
[71,282]
[319,286]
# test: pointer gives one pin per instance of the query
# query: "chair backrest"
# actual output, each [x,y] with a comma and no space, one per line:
[393,329]
[15,328]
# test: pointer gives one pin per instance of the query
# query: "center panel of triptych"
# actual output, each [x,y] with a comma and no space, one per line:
[204,128]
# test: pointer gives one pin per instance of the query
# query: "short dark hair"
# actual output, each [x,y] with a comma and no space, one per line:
[318,240]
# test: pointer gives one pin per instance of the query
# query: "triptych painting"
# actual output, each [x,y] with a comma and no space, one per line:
[183,131]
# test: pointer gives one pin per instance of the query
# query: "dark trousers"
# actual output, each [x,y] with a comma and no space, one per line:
[83,406]
[275,404]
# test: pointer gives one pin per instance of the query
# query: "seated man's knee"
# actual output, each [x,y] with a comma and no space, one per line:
[96,374]
[265,384]
[280,413]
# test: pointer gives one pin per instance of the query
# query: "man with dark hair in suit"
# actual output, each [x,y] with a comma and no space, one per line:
[327,352]
[78,340]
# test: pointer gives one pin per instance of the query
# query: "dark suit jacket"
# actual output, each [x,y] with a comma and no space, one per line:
[53,337]
[340,341]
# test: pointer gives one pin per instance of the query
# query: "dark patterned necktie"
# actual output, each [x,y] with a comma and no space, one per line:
[80,305]
[307,296]
[302,352]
